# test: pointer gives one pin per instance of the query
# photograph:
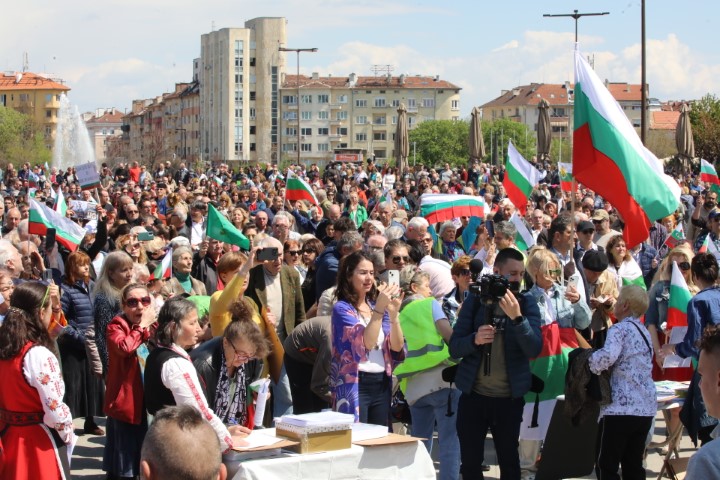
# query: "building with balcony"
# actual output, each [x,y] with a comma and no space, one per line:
[239,75]
[35,95]
[103,124]
[321,115]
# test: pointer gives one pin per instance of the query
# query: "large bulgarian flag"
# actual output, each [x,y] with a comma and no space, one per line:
[438,207]
[520,178]
[709,175]
[610,159]
[551,366]
[297,189]
[523,238]
[566,177]
[67,233]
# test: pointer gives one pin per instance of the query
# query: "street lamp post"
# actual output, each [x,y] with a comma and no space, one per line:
[576,16]
[297,52]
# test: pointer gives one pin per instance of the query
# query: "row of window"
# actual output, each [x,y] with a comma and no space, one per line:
[379,102]
[305,147]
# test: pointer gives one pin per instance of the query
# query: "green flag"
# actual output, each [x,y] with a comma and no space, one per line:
[220,228]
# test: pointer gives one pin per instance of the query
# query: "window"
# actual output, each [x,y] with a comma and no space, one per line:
[323,147]
[342,131]
[361,137]
[290,131]
[238,113]
[361,103]
[306,132]
[454,104]
[48,98]
[380,153]
[252,129]
[379,136]
[252,61]
[48,130]
[380,120]
[412,121]
[289,115]
[558,112]
[361,120]
[252,147]
[323,115]
[323,131]
[306,147]
[238,61]
[379,102]
[343,115]
[252,96]
[289,147]
[238,78]
[289,99]
[428,102]
[253,78]
[252,113]
[323,98]
[411,103]
[306,115]
[395,103]
[342,99]
[306,99]
[394,119]
[48,113]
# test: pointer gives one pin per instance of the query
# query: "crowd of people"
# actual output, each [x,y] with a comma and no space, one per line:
[357,297]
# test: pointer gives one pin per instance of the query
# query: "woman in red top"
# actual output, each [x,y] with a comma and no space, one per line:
[127,335]
[35,424]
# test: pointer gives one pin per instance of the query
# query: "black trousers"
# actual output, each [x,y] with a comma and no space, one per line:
[621,442]
[303,398]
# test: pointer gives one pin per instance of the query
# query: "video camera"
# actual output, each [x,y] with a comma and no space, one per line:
[490,287]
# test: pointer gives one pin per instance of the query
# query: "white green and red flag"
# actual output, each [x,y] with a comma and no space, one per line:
[520,178]
[439,207]
[610,159]
[164,268]
[679,298]
[524,239]
[218,181]
[676,237]
[566,178]
[551,366]
[60,203]
[708,246]
[33,180]
[68,233]
[298,189]
[709,175]
[630,274]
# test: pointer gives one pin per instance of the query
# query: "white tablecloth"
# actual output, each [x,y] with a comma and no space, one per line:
[390,462]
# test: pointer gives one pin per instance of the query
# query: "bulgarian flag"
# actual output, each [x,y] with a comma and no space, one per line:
[520,178]
[679,298]
[297,189]
[675,237]
[610,159]
[60,204]
[630,274]
[68,233]
[709,175]
[164,268]
[33,180]
[708,246]
[438,207]
[523,238]
[566,178]
[218,181]
[551,366]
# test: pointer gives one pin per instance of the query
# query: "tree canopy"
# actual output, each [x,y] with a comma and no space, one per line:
[705,120]
[20,139]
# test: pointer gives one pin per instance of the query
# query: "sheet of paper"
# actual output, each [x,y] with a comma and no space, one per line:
[676,361]
[256,439]
[677,335]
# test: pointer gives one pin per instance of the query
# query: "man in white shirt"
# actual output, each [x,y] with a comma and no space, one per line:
[198,223]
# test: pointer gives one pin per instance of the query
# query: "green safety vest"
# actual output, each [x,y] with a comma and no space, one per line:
[425,347]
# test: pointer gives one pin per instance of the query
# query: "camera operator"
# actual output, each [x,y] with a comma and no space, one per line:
[499,331]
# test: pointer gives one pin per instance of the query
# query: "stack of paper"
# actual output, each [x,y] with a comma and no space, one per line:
[320,419]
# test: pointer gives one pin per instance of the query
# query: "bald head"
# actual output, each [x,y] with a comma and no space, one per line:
[334,212]
[12,218]
[170,447]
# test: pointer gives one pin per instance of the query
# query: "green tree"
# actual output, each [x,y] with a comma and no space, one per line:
[439,141]
[496,134]
[705,121]
[20,139]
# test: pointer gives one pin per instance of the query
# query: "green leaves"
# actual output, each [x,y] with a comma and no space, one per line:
[705,120]
[20,139]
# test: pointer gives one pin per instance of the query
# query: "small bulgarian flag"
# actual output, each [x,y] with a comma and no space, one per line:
[164,268]
[218,181]
[708,246]
[630,274]
[438,207]
[68,233]
[520,178]
[679,298]
[297,189]
[675,237]
[709,175]
[60,204]
[33,180]
[523,238]
[566,178]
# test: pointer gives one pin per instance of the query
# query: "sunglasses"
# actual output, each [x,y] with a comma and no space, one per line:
[397,259]
[134,302]
[555,272]
[684,266]
[465,272]
[309,250]
[597,221]
[293,252]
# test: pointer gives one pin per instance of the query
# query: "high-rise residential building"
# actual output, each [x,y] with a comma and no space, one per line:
[35,95]
[328,116]
[239,74]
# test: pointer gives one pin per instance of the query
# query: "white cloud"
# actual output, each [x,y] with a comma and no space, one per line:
[512,44]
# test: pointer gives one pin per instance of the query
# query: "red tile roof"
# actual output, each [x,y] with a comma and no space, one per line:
[556,94]
[416,82]
[624,92]
[664,120]
[113,116]
[29,81]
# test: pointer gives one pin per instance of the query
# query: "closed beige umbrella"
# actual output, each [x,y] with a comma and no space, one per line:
[543,130]
[684,138]
[475,141]
[402,141]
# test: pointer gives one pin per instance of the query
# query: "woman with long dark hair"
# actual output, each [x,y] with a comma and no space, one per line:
[36,425]
[367,341]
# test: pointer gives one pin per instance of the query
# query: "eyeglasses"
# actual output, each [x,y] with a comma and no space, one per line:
[293,252]
[684,266]
[589,231]
[397,259]
[134,302]
[241,355]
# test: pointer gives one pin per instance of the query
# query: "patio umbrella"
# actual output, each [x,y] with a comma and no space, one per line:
[684,138]
[543,130]
[402,142]
[476,142]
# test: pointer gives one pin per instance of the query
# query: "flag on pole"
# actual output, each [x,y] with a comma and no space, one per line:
[520,178]
[47,167]
[708,246]
[438,207]
[218,181]
[60,204]
[610,159]
[705,246]
[297,189]
[679,298]
[68,233]
[566,177]
[523,238]
[164,268]
[221,229]
[33,179]
[675,237]
[709,175]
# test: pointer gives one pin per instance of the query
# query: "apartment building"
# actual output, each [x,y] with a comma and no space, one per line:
[102,125]
[239,75]
[324,115]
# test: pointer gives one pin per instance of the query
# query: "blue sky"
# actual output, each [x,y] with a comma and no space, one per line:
[112,52]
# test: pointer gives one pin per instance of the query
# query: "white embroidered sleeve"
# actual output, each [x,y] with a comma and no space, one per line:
[606,357]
